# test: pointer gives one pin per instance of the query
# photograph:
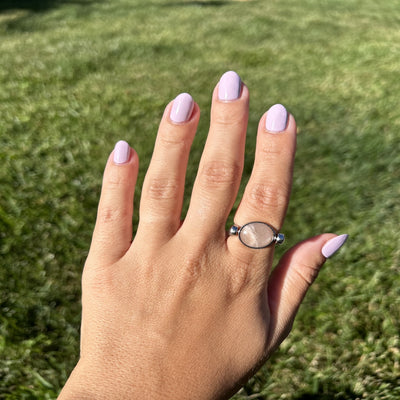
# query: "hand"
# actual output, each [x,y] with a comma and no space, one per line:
[186,311]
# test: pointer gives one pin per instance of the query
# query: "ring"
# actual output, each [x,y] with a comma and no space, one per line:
[257,235]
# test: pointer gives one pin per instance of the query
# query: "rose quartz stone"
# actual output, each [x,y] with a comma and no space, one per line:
[256,235]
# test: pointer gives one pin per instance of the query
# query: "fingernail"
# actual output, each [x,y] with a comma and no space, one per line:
[182,108]
[230,86]
[333,245]
[276,118]
[122,152]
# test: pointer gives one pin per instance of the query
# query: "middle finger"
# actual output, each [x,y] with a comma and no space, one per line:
[221,165]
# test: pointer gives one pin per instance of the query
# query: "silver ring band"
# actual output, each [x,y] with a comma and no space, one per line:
[257,234]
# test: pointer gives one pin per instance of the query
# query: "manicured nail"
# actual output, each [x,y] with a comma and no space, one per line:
[276,118]
[230,86]
[333,245]
[122,152]
[182,108]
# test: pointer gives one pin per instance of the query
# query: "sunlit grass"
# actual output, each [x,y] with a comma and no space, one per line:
[78,77]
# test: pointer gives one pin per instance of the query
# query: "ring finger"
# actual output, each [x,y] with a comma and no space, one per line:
[267,193]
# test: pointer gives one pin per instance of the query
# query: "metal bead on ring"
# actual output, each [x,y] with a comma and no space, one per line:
[257,234]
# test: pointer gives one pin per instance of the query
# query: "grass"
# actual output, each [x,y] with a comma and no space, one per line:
[77,76]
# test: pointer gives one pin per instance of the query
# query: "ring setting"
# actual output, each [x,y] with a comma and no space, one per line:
[257,234]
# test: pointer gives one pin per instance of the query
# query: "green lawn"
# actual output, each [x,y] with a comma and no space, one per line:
[76,76]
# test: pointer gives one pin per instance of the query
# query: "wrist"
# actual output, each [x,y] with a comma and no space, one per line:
[88,383]
[81,386]
[95,383]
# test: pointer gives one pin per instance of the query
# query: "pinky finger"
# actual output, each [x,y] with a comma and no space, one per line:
[112,235]
[291,279]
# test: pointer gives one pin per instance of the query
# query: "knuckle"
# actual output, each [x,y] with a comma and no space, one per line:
[97,279]
[267,196]
[240,277]
[191,269]
[176,140]
[307,272]
[162,189]
[228,117]
[116,178]
[194,264]
[217,173]
[110,214]
[273,149]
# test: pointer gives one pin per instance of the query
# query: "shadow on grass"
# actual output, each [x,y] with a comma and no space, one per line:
[199,3]
[38,5]
[328,396]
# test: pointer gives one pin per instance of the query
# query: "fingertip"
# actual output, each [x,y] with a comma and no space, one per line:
[181,111]
[277,120]
[121,153]
[224,94]
[229,86]
[333,245]
[181,108]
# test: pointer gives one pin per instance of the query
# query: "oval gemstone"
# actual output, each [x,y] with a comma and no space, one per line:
[256,235]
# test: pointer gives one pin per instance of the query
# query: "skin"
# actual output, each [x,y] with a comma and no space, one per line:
[184,311]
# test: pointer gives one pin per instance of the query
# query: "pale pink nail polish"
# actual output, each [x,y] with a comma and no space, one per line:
[276,119]
[333,245]
[182,108]
[122,152]
[230,86]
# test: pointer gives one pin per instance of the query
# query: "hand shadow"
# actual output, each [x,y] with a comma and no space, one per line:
[38,5]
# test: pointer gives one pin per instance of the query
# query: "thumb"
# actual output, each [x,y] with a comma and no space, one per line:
[290,280]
